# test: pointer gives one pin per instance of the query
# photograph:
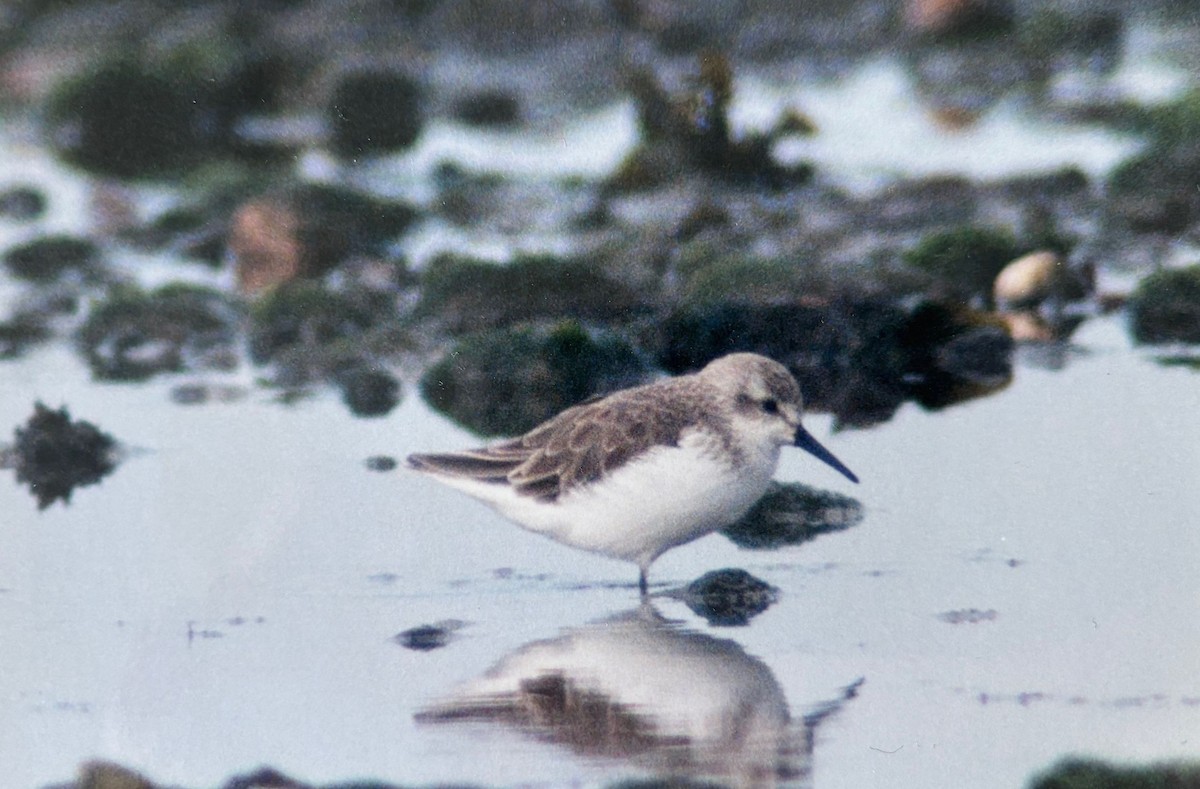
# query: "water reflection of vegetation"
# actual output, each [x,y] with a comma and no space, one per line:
[728,598]
[792,514]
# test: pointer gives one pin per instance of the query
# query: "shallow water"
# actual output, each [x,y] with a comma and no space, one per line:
[220,603]
[1023,586]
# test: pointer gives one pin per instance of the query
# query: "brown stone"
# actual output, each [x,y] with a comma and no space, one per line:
[265,244]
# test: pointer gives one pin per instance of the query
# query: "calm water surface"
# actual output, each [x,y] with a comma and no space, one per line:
[1023,586]
[227,599]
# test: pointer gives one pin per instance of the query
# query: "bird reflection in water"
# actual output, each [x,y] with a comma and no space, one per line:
[641,690]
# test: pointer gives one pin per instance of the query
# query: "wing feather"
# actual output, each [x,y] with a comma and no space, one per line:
[577,447]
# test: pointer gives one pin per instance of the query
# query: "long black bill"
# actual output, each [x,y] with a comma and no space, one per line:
[805,441]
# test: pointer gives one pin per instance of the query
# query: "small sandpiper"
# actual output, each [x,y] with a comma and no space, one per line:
[643,470]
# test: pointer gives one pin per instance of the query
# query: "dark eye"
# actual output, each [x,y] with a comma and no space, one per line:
[771,406]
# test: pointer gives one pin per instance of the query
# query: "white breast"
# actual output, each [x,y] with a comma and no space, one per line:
[666,497]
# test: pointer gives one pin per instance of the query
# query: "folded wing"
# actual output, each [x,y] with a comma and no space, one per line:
[577,447]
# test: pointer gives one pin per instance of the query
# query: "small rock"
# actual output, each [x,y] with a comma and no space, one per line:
[368,392]
[1165,307]
[429,637]
[494,108]
[133,336]
[375,112]
[49,258]
[265,245]
[129,120]
[1037,277]
[729,598]
[381,463]
[21,332]
[22,203]
[54,455]
[302,319]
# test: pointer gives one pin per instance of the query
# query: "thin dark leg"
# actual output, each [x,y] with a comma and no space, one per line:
[643,586]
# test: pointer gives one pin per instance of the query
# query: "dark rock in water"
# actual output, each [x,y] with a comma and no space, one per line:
[381,463]
[791,514]
[49,258]
[857,358]
[307,230]
[133,335]
[130,120]
[54,455]
[368,392]
[506,381]
[1077,773]
[967,259]
[466,295]
[306,323]
[375,112]
[1165,307]
[426,638]
[22,203]
[21,332]
[489,108]
[729,598]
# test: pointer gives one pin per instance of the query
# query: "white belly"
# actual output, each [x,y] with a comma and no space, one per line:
[668,497]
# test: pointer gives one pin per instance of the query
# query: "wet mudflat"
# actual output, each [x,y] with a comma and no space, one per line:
[219,604]
[968,229]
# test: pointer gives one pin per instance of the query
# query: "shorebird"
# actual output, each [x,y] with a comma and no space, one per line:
[643,470]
